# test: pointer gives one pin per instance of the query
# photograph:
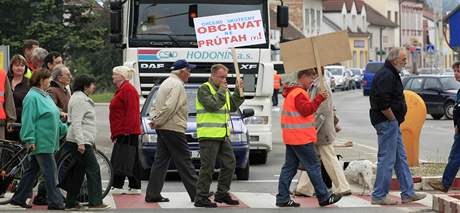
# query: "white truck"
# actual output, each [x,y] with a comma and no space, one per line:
[155,33]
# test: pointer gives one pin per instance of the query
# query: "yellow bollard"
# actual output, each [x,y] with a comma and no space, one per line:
[412,126]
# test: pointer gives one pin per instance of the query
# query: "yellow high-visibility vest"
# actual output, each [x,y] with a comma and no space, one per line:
[212,124]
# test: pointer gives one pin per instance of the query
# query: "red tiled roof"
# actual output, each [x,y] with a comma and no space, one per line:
[336,5]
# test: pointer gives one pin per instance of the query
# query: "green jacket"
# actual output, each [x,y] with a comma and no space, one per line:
[213,103]
[41,124]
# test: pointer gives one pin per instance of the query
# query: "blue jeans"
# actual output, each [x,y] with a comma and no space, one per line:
[47,165]
[306,155]
[452,164]
[391,155]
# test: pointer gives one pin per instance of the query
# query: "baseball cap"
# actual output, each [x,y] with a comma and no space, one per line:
[182,63]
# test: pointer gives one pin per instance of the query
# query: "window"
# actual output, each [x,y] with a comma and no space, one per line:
[409,82]
[361,59]
[312,23]
[307,20]
[416,84]
[318,20]
[396,17]
[432,83]
[344,22]
[359,43]
[389,15]
[355,59]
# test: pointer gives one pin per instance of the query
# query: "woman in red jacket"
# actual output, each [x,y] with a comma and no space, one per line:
[124,116]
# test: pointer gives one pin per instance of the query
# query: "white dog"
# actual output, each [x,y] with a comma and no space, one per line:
[360,172]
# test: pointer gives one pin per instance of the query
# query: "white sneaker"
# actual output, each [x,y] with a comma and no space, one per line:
[134,191]
[117,191]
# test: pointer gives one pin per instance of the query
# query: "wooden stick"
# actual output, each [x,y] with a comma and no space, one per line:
[237,71]
[318,65]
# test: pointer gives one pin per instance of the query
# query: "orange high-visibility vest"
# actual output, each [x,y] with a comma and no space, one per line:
[277,81]
[2,94]
[295,128]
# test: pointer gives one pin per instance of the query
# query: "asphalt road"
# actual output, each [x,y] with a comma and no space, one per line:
[352,109]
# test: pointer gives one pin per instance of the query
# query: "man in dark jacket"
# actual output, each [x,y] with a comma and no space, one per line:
[388,108]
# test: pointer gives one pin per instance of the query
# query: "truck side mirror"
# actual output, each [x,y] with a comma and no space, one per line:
[115,21]
[192,13]
[282,16]
[115,26]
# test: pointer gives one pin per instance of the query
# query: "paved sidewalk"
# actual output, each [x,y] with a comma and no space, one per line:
[180,200]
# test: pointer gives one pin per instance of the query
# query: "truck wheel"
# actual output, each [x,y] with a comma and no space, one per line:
[242,173]
[258,157]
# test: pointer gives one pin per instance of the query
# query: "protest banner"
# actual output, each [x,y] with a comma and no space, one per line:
[317,51]
[230,31]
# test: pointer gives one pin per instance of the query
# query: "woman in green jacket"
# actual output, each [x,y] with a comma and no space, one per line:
[41,130]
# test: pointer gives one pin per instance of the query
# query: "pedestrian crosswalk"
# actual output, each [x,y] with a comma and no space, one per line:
[181,200]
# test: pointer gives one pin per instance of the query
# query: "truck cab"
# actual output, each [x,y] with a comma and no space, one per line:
[155,33]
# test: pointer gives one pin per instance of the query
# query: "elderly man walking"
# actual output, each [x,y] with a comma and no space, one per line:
[213,105]
[388,108]
[169,119]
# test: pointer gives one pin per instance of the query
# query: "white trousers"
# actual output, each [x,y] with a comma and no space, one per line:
[333,168]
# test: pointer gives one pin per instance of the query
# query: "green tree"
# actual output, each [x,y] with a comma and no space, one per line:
[78,32]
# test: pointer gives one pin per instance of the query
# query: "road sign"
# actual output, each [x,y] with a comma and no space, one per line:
[430,48]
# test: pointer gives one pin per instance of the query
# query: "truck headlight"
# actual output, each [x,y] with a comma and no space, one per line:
[237,138]
[149,138]
[256,120]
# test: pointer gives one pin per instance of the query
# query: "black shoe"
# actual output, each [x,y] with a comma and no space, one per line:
[40,201]
[156,200]
[56,207]
[23,205]
[290,203]
[227,200]
[331,200]
[205,203]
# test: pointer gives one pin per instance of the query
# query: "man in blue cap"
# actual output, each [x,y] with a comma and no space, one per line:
[169,119]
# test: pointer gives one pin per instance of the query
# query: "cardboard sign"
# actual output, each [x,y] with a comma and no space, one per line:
[299,54]
[230,30]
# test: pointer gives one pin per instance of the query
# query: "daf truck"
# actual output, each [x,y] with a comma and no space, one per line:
[155,33]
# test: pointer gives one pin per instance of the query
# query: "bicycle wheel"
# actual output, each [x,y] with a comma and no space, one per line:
[6,154]
[106,174]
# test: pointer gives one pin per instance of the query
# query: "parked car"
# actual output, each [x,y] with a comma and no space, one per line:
[357,75]
[239,136]
[439,93]
[368,76]
[342,78]
[429,71]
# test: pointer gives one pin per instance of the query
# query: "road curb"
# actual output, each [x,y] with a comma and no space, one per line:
[445,203]
[421,183]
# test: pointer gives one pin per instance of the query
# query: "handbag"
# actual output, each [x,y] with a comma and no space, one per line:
[123,157]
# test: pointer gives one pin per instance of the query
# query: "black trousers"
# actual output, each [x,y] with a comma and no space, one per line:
[171,145]
[119,179]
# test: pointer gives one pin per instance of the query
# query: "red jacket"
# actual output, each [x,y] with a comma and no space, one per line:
[124,111]
[303,106]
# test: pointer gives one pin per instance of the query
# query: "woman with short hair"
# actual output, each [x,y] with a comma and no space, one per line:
[82,138]
[41,130]
[20,87]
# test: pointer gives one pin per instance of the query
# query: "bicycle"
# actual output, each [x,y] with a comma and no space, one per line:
[12,152]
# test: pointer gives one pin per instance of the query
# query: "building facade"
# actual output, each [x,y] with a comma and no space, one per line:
[350,16]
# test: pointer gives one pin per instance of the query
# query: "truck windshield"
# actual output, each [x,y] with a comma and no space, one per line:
[166,22]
